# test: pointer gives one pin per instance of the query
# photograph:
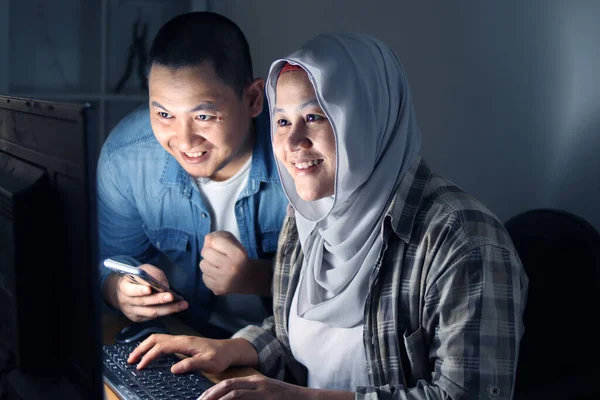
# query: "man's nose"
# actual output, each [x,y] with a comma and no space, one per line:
[187,138]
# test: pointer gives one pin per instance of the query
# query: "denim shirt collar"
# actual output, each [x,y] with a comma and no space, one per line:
[263,168]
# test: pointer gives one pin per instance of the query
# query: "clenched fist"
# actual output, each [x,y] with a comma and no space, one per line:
[227,269]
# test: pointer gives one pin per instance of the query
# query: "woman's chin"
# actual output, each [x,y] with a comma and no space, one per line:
[313,195]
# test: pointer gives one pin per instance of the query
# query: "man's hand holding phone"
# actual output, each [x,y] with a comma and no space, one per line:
[138,301]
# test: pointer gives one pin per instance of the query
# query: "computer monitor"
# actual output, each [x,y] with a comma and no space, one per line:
[49,296]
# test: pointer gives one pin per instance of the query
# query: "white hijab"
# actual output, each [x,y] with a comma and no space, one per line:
[362,88]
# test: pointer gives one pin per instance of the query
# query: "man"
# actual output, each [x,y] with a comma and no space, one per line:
[188,188]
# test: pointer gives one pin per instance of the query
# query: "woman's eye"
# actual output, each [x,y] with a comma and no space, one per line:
[283,122]
[164,115]
[313,117]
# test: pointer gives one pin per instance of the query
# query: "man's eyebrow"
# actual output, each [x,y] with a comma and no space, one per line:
[199,107]
[308,103]
[204,107]
[157,104]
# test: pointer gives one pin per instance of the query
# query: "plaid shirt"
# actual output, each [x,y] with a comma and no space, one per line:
[443,318]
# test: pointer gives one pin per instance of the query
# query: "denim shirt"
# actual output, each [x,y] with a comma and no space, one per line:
[151,211]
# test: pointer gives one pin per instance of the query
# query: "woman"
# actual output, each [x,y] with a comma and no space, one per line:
[389,279]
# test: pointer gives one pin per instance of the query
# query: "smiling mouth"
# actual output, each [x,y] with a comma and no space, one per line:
[308,164]
[196,154]
[194,157]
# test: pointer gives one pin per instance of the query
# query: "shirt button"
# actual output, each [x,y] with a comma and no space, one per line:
[204,215]
[158,245]
[494,391]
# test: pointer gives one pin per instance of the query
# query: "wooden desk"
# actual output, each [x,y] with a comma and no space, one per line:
[111,324]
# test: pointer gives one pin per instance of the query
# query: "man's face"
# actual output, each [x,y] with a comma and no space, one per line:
[201,121]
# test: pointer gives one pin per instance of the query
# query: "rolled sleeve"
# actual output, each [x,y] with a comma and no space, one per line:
[475,307]
[271,353]
[423,391]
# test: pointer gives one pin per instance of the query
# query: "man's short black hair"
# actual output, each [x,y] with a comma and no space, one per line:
[190,39]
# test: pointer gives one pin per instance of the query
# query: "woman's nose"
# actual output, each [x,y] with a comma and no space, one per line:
[298,139]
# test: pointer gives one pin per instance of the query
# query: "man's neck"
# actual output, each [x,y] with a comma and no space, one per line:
[239,160]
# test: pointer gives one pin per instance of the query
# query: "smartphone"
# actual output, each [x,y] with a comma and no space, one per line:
[139,276]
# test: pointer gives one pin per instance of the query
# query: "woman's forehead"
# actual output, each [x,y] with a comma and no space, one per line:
[294,87]
[294,77]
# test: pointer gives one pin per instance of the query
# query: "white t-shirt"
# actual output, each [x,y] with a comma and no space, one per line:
[335,357]
[234,311]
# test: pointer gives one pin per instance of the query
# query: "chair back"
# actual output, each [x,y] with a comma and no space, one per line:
[560,350]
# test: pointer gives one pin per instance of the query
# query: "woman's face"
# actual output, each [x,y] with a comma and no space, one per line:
[303,140]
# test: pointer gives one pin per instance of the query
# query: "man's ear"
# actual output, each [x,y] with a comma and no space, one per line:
[255,96]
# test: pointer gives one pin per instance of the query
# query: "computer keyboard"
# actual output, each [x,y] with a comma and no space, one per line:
[153,382]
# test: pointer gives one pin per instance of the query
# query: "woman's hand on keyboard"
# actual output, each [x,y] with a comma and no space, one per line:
[210,355]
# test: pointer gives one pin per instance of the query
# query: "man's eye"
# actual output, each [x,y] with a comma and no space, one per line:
[313,117]
[164,115]
[283,122]
[204,117]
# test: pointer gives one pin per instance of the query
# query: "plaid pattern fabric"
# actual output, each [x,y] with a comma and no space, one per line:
[443,318]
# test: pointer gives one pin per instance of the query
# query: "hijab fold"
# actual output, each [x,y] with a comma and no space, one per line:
[362,88]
